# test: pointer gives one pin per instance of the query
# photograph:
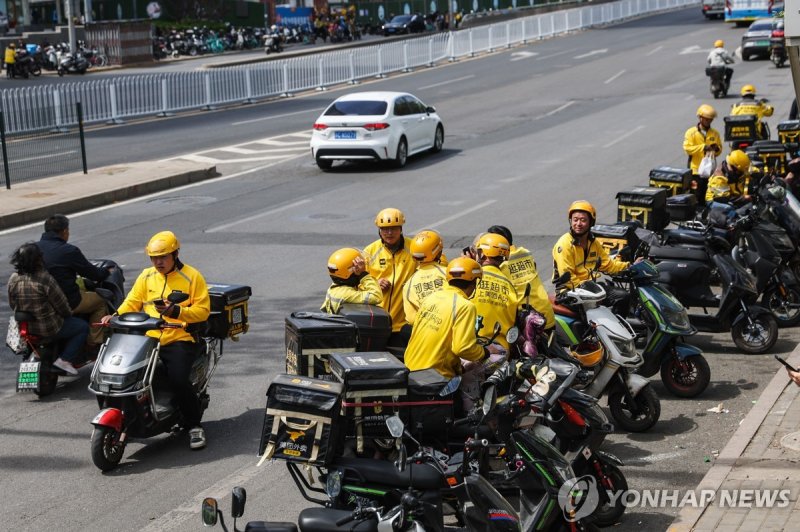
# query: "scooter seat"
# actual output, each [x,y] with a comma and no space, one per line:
[324,520]
[561,309]
[659,253]
[385,473]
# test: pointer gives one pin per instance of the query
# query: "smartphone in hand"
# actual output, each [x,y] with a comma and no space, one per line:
[782,361]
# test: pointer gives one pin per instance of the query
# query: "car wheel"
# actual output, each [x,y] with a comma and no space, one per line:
[438,139]
[745,57]
[402,154]
[324,164]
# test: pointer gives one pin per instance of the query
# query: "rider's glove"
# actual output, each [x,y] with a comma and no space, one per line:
[173,311]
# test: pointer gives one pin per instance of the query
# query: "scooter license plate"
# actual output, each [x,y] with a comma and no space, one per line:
[28,376]
[344,135]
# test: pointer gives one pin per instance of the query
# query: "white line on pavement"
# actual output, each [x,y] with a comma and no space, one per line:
[589,54]
[556,110]
[615,76]
[654,50]
[623,136]
[276,116]
[44,156]
[456,216]
[449,81]
[257,216]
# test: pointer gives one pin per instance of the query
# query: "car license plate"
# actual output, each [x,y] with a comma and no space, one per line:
[344,135]
[762,43]
[28,376]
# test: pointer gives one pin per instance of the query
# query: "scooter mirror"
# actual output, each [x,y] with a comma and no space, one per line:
[451,386]
[209,512]
[238,501]
[512,334]
[489,399]
[177,297]
[395,426]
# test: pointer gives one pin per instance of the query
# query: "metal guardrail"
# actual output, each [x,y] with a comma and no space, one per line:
[162,94]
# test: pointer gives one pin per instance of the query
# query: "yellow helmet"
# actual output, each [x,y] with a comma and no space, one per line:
[706,111]
[719,43]
[426,246]
[585,206]
[340,264]
[162,243]
[493,245]
[588,353]
[464,268]
[739,160]
[390,218]
[748,89]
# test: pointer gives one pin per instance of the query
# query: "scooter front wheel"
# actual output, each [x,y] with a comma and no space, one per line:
[638,417]
[784,306]
[758,337]
[685,378]
[107,450]
[607,514]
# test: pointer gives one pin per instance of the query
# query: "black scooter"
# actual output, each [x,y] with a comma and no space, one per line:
[720,81]
[777,48]
[687,274]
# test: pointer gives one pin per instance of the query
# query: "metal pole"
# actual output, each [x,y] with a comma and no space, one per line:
[5,152]
[70,25]
[79,110]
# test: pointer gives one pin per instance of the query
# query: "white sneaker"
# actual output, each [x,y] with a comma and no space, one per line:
[66,366]
[197,438]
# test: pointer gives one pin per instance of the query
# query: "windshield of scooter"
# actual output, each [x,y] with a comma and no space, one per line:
[789,214]
[734,274]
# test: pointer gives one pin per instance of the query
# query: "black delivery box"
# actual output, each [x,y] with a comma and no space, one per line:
[429,414]
[740,128]
[373,322]
[311,337]
[789,131]
[682,208]
[676,180]
[645,204]
[374,389]
[301,422]
[618,237]
[228,310]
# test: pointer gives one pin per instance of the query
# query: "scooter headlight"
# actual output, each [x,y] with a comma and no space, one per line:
[119,382]
[626,347]
[333,484]
[677,319]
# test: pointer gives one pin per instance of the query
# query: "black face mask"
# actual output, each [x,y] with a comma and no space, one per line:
[352,281]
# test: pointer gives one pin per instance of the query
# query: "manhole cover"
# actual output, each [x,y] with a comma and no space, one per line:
[183,200]
[328,216]
[791,441]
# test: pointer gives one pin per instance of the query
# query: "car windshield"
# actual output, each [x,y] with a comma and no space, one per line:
[357,108]
[760,26]
[401,19]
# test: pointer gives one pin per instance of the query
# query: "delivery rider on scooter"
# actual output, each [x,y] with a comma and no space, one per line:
[728,186]
[719,57]
[178,347]
[750,106]
[350,281]
[580,254]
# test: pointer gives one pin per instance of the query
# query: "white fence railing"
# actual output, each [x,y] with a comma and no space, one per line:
[112,100]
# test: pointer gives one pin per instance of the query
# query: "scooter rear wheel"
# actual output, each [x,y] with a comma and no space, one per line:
[107,450]
[758,338]
[685,378]
[47,383]
[785,307]
[646,403]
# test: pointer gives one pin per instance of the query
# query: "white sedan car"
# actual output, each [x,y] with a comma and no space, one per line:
[375,126]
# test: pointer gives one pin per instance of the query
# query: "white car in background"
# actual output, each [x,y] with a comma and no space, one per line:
[375,126]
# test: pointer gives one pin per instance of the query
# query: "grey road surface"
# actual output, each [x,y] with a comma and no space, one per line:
[527,131]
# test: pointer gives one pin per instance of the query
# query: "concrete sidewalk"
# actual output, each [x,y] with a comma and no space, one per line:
[763,454]
[33,201]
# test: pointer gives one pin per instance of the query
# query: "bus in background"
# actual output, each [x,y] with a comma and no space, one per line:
[743,12]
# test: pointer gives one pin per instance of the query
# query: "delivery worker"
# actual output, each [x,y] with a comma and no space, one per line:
[431,276]
[495,297]
[351,282]
[10,59]
[728,185]
[750,106]
[699,141]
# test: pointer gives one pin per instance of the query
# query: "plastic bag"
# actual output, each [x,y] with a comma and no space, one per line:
[14,340]
[707,166]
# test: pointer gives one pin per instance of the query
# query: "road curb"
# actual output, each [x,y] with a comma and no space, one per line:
[689,516]
[102,196]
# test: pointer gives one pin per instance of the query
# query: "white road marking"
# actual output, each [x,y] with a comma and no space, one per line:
[556,110]
[38,157]
[516,56]
[693,50]
[259,215]
[654,50]
[615,76]
[562,52]
[271,117]
[249,151]
[624,136]
[455,216]
[589,54]
[448,82]
[278,147]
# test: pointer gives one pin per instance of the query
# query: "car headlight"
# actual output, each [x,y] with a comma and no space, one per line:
[333,484]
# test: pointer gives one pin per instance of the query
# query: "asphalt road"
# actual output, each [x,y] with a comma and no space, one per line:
[527,131]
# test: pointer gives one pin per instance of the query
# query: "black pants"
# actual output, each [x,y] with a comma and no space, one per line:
[178,358]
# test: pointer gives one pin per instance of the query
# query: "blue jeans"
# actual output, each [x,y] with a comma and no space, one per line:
[74,331]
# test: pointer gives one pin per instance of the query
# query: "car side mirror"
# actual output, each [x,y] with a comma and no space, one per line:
[430,110]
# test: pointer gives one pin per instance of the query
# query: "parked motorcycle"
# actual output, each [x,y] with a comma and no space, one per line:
[273,43]
[131,388]
[72,64]
[777,47]
[36,371]
[605,343]
[662,322]
[686,273]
